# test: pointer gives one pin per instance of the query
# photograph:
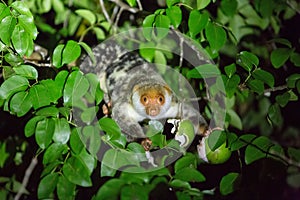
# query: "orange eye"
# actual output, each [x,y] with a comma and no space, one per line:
[144,99]
[161,99]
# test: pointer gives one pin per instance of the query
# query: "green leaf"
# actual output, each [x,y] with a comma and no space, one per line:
[247,60]
[180,184]
[50,111]
[292,79]
[71,52]
[39,96]
[89,51]
[62,131]
[95,90]
[175,15]
[202,4]
[89,115]
[21,41]
[21,7]
[54,152]
[28,25]
[171,2]
[197,22]
[31,125]
[110,190]
[26,71]
[88,160]
[7,27]
[228,183]
[57,55]
[87,14]
[282,41]
[13,59]
[111,128]
[12,85]
[189,160]
[3,153]
[65,189]
[107,171]
[190,175]
[4,11]
[264,76]
[76,172]
[132,3]
[258,150]
[162,23]
[76,87]
[242,141]
[232,85]
[283,99]
[76,142]
[229,7]
[230,70]
[44,132]
[204,71]
[148,26]
[295,59]
[235,119]
[147,51]
[256,85]
[47,185]
[280,56]
[294,154]
[134,191]
[20,103]
[216,36]
[91,139]
[216,139]
[274,114]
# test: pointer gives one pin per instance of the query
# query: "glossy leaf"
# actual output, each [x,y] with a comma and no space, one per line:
[292,79]
[280,56]
[50,111]
[76,142]
[190,175]
[258,150]
[47,185]
[204,71]
[171,2]
[87,14]
[216,139]
[132,3]
[229,7]
[189,160]
[264,76]
[21,7]
[71,52]
[202,4]
[228,183]
[88,160]
[76,172]
[230,70]
[110,190]
[107,171]
[162,23]
[256,85]
[111,128]
[20,103]
[231,85]
[21,41]
[28,25]
[39,96]
[295,59]
[7,27]
[242,141]
[197,22]
[62,131]
[12,85]
[57,55]
[31,125]
[88,50]
[65,189]
[54,152]
[91,138]
[4,11]
[274,114]
[89,115]
[235,119]
[175,15]
[215,35]
[44,132]
[134,191]
[247,60]
[76,87]
[147,26]
[26,71]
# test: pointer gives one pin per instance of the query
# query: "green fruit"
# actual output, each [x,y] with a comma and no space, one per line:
[185,134]
[219,156]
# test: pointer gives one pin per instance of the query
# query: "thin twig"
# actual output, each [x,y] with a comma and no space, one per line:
[105,12]
[27,175]
[124,6]
[273,89]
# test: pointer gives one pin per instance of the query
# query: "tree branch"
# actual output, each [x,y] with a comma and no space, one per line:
[27,175]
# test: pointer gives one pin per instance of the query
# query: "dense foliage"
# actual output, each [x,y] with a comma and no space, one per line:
[50,139]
